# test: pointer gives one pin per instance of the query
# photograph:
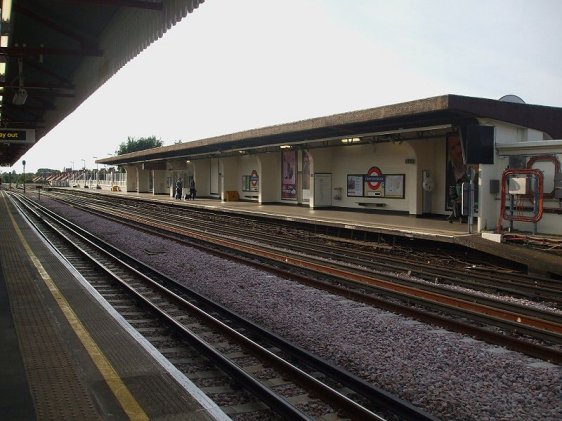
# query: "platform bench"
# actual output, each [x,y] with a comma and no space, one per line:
[372,205]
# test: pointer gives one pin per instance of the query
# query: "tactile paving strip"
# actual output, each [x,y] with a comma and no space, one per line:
[162,394]
[57,390]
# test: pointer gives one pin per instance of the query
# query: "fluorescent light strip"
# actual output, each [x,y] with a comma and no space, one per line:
[6,10]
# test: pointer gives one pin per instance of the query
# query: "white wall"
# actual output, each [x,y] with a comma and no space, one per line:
[247,164]
[229,175]
[202,176]
[490,205]
[215,182]
[430,155]
[131,178]
[159,184]
[269,171]
[143,180]
[358,159]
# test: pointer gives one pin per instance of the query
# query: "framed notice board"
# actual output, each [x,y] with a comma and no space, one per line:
[355,185]
[394,186]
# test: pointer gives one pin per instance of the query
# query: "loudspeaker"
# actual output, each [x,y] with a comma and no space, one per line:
[478,144]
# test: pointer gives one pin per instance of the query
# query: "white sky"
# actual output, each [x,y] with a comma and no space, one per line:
[238,65]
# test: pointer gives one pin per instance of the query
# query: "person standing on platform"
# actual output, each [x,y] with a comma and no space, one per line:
[192,191]
[454,193]
[179,188]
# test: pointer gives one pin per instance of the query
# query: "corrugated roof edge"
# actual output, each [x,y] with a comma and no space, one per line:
[535,116]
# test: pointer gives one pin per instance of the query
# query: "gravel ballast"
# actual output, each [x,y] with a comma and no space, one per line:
[447,374]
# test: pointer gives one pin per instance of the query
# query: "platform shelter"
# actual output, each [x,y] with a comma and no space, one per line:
[399,158]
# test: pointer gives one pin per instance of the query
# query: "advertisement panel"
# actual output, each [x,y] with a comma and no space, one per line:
[289,175]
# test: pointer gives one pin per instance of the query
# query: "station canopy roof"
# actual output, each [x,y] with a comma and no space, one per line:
[420,119]
[55,53]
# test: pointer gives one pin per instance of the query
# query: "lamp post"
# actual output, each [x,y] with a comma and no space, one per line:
[112,173]
[97,173]
[84,170]
[23,162]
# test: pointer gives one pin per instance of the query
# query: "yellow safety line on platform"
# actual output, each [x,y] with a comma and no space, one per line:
[112,378]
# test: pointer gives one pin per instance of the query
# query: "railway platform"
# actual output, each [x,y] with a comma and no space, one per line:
[65,354]
[436,229]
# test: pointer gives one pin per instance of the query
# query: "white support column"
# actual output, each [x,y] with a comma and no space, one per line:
[229,176]
[143,182]
[132,178]
[270,177]
[159,185]
[202,176]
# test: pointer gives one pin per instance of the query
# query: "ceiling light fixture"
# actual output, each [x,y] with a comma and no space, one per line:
[20,96]
[350,140]
[6,10]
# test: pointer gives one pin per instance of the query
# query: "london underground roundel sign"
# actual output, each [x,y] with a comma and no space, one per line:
[374,178]
[254,178]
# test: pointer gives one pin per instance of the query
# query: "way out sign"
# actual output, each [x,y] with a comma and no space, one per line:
[17,136]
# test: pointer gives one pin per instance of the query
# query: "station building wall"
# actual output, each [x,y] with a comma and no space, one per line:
[160,183]
[391,159]
[320,163]
[144,180]
[132,174]
[247,164]
[215,177]
[490,203]
[202,176]
[229,170]
[429,155]
[413,158]
[269,172]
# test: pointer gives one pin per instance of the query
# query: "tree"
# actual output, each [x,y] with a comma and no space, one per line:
[45,172]
[135,145]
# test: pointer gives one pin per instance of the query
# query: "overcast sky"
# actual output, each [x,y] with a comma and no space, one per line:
[238,65]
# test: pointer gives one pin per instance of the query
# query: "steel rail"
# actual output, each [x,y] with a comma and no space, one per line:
[516,320]
[405,409]
[538,351]
[518,284]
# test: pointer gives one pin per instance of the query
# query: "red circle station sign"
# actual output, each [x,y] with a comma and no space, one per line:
[254,178]
[374,178]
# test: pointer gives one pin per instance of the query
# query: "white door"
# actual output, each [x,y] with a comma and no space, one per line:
[322,190]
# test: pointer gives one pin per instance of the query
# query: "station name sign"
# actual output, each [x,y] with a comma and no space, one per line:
[17,136]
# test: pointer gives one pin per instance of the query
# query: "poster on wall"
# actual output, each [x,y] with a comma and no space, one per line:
[289,175]
[354,185]
[250,182]
[455,164]
[394,186]
[305,176]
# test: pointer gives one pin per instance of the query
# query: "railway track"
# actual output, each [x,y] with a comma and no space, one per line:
[267,375]
[437,268]
[524,320]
